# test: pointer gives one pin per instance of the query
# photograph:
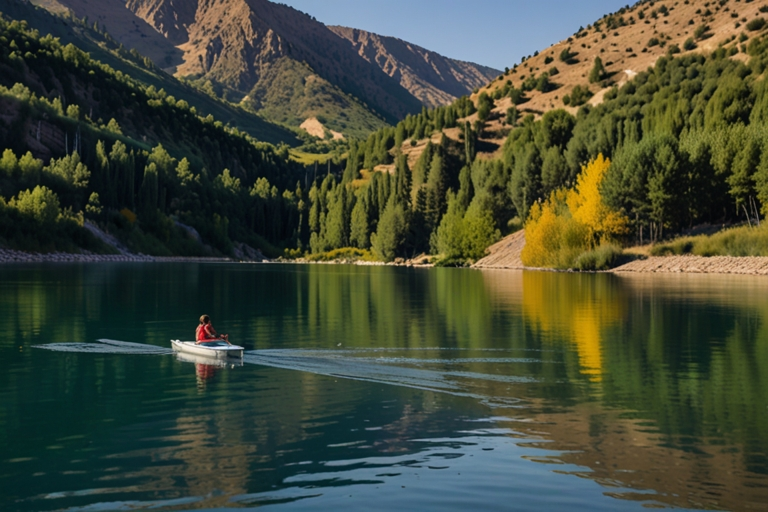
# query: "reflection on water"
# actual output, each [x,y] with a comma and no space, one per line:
[442,388]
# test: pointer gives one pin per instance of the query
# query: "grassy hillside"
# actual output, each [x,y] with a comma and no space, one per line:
[289,92]
[626,43]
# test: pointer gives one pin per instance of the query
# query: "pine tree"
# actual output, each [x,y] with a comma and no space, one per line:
[437,186]
[390,235]
[450,232]
[485,105]
[149,191]
[359,226]
[598,71]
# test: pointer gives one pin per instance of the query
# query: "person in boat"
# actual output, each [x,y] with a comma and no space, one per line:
[206,333]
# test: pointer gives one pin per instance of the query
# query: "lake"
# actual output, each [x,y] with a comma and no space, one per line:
[382,388]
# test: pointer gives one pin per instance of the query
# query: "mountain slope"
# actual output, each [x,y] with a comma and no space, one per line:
[122,24]
[283,63]
[627,42]
[103,48]
[433,79]
[235,42]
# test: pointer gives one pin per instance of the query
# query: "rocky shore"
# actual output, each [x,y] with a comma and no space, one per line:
[506,255]
[503,255]
[11,256]
[698,265]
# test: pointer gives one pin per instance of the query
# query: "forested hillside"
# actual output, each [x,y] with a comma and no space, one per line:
[100,45]
[687,141]
[81,140]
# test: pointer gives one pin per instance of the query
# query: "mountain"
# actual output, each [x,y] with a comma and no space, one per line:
[627,42]
[282,63]
[103,47]
[433,79]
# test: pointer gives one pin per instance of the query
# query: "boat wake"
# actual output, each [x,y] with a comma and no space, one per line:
[385,371]
[367,365]
[107,347]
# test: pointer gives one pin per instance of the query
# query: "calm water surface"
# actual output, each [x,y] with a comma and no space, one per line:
[382,389]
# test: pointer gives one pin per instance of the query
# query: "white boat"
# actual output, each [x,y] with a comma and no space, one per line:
[186,357]
[218,350]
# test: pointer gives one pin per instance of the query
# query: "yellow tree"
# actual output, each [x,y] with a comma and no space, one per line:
[572,221]
[552,237]
[588,208]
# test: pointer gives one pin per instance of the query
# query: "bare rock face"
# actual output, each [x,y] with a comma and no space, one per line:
[283,63]
[170,18]
[433,79]
[132,31]
[234,42]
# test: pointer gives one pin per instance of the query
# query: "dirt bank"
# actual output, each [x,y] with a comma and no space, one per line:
[698,265]
[506,255]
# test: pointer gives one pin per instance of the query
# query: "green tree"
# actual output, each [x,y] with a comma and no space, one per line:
[485,105]
[391,233]
[479,229]
[598,71]
[359,225]
[40,204]
[450,232]
[148,191]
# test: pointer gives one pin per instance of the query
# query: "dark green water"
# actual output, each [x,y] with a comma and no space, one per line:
[383,389]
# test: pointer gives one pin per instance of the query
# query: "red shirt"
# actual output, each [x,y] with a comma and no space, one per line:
[203,333]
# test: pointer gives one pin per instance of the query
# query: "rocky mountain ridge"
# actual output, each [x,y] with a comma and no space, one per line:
[435,80]
[283,63]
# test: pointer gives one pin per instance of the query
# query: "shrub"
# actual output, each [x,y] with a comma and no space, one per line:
[689,44]
[702,32]
[602,258]
[567,57]
[343,254]
[512,116]
[756,24]
[739,241]
[579,95]
[40,204]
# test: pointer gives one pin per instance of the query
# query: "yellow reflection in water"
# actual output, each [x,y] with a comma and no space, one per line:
[576,308]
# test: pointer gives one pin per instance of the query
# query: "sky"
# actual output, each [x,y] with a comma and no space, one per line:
[496,33]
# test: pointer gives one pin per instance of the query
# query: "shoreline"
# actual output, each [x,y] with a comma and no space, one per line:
[690,264]
[10,256]
[685,264]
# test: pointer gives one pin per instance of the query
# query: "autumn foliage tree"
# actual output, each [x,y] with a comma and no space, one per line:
[572,221]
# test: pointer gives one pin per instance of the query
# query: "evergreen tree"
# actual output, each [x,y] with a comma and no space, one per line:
[436,189]
[390,235]
[336,222]
[598,71]
[485,105]
[450,233]
[359,226]
[148,191]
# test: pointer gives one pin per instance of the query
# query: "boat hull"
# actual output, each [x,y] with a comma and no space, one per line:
[220,352]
